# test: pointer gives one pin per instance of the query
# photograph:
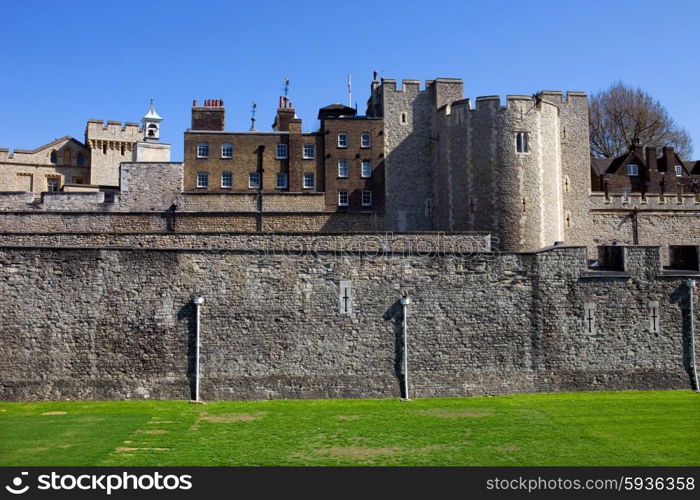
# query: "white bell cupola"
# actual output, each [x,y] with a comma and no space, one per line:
[151,124]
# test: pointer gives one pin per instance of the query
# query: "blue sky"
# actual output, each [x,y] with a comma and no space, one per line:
[66,62]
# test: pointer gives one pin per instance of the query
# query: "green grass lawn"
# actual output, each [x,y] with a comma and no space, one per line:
[611,428]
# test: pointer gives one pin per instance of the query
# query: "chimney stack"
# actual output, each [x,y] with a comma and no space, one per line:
[210,116]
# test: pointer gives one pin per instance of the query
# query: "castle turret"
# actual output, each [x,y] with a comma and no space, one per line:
[150,149]
[151,125]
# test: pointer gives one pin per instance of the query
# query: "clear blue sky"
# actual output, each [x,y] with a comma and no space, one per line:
[66,62]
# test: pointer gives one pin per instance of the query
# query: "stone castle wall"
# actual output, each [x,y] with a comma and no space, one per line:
[119,323]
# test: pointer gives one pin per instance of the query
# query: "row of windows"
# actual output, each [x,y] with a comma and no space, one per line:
[365,168]
[365,140]
[79,159]
[282,180]
[309,151]
[633,170]
[344,198]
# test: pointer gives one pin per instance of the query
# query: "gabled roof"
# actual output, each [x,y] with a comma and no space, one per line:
[620,161]
[51,144]
[600,165]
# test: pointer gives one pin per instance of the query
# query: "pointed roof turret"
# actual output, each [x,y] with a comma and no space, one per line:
[152,115]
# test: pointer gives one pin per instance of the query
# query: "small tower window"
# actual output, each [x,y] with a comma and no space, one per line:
[80,160]
[54,157]
[342,140]
[521,145]
[104,148]
[122,149]
[403,118]
[152,129]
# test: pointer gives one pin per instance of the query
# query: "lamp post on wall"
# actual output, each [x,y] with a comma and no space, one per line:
[198,301]
[405,302]
[691,326]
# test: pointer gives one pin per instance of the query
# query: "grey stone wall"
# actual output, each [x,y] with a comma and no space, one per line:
[110,324]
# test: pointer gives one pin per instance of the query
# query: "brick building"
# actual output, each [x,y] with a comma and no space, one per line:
[342,161]
[642,170]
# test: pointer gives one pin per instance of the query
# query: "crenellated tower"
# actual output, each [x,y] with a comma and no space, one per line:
[517,170]
[109,144]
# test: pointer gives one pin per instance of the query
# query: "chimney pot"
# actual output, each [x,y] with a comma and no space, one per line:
[194,103]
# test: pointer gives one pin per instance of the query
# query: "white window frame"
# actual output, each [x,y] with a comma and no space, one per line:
[311,176]
[223,147]
[346,168]
[230,175]
[282,175]
[522,140]
[363,174]
[55,181]
[340,198]
[679,170]
[369,203]
[202,150]
[251,176]
[281,152]
[632,169]
[368,143]
[312,148]
[342,140]
[205,177]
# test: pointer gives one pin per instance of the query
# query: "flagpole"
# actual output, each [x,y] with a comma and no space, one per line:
[349,90]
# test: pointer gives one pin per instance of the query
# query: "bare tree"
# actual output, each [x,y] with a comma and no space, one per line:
[619,114]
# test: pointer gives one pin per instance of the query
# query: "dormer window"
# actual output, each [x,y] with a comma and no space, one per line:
[632,170]
[679,170]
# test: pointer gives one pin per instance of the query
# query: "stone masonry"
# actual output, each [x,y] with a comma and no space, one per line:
[100,323]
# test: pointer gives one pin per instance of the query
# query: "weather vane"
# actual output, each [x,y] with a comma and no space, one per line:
[253,108]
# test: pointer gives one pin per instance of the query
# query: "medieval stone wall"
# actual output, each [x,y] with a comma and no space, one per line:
[111,324]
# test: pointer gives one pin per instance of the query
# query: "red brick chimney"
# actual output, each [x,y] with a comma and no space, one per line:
[210,116]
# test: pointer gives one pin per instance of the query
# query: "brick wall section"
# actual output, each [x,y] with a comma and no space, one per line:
[271,326]
[354,154]
[252,152]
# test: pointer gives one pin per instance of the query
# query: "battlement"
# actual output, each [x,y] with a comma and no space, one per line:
[112,130]
[456,111]
[414,86]
[670,201]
